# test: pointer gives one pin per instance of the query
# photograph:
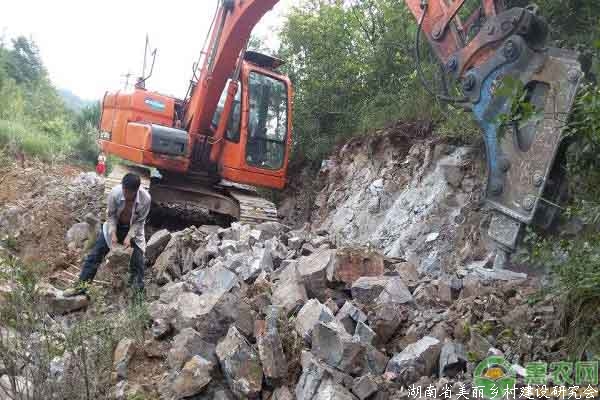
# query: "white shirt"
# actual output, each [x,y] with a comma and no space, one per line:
[115,206]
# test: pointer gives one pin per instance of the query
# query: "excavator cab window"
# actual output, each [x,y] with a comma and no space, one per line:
[233,127]
[268,121]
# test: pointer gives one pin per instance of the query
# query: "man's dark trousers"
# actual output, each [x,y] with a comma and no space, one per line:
[101,249]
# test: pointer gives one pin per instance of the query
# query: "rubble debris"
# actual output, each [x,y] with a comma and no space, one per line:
[240,364]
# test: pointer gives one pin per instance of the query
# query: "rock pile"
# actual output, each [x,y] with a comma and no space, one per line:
[268,312]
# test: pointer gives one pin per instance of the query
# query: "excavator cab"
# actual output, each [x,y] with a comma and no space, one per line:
[258,133]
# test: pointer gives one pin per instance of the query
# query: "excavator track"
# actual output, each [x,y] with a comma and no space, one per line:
[241,202]
[253,208]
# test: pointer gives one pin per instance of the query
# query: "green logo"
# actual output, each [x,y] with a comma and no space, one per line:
[493,377]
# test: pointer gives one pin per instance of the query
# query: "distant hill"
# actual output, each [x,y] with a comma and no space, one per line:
[72,101]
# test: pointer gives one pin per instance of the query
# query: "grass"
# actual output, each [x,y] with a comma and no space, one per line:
[16,136]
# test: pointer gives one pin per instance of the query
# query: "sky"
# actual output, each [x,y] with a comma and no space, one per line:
[89,46]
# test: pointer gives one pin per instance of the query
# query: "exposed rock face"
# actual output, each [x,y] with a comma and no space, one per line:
[240,364]
[401,194]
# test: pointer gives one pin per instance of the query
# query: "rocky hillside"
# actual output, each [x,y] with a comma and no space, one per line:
[385,291]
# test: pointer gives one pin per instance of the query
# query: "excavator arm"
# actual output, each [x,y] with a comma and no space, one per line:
[492,47]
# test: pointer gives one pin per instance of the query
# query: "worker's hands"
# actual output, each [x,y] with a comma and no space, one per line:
[127,242]
[113,239]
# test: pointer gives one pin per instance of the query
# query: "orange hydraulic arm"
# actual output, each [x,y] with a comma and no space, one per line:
[231,29]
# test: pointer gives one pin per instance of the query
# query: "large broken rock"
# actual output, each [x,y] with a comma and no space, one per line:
[177,257]
[270,348]
[187,344]
[216,278]
[394,292]
[453,359]
[333,391]
[58,303]
[364,387]
[212,313]
[352,263]
[385,320]
[289,295]
[316,374]
[157,243]
[240,364]
[309,316]
[313,270]
[193,377]
[77,235]
[366,289]
[349,315]
[338,349]
[416,360]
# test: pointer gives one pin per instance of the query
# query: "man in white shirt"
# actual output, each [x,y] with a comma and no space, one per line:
[128,208]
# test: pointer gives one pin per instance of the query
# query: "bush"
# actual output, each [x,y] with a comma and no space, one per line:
[33,343]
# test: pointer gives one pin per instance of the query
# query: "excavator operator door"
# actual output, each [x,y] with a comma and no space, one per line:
[258,134]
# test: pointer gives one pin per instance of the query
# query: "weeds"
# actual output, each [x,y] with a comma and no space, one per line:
[34,345]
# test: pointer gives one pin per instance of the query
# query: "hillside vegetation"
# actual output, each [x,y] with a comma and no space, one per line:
[353,67]
[34,120]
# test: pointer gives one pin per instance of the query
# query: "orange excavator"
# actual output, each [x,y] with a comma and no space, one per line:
[234,126]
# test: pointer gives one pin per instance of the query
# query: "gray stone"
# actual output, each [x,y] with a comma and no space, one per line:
[212,313]
[187,344]
[349,315]
[295,243]
[193,378]
[408,273]
[364,333]
[270,348]
[58,303]
[282,393]
[376,361]
[394,292]
[287,271]
[452,359]
[310,315]
[289,294]
[338,349]
[313,270]
[271,229]
[123,354]
[385,320]
[453,174]
[170,291]
[157,243]
[366,289]
[333,391]
[416,360]
[364,386]
[478,345]
[77,235]
[215,278]
[240,364]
